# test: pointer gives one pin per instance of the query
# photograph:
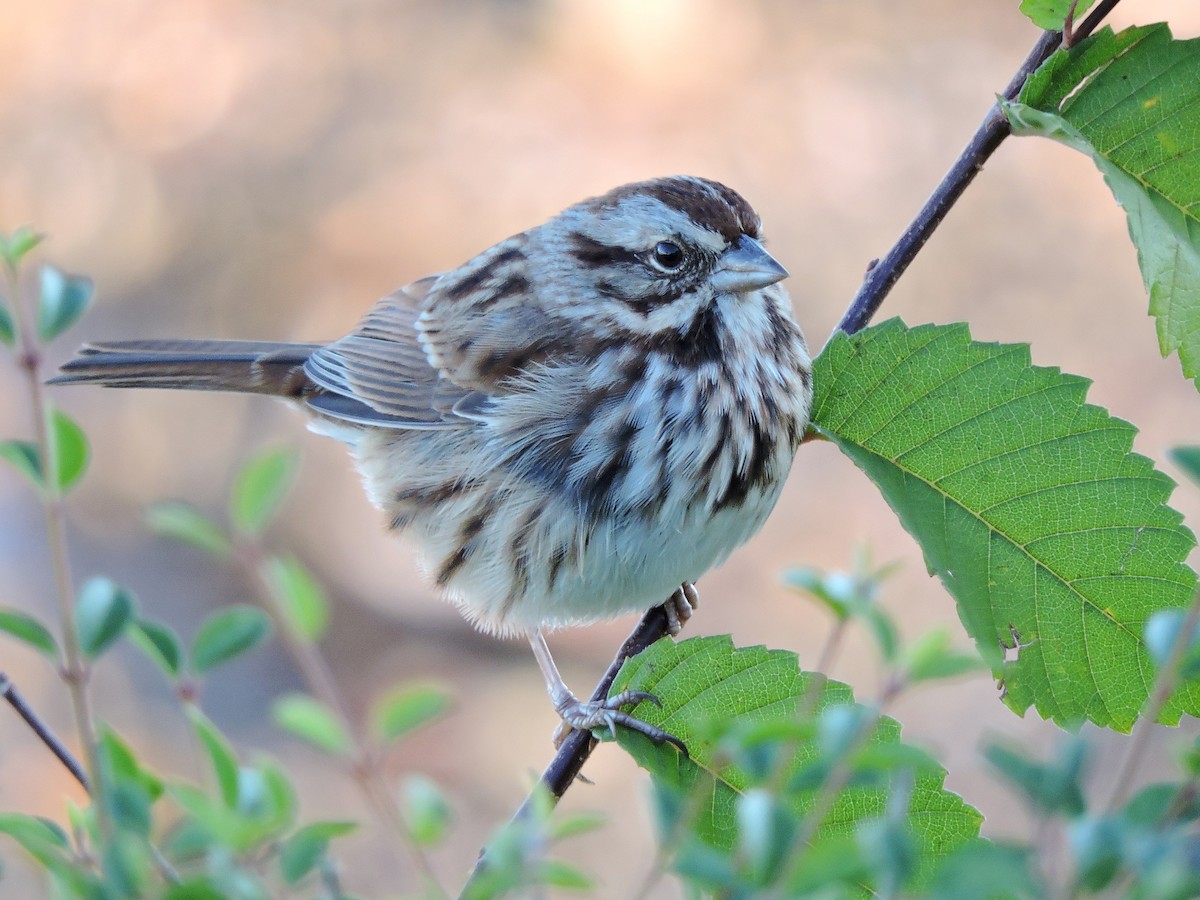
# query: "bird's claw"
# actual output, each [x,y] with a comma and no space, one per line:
[608,714]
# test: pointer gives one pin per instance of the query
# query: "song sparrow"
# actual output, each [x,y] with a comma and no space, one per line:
[575,424]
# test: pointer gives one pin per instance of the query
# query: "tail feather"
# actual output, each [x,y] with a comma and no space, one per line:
[254,367]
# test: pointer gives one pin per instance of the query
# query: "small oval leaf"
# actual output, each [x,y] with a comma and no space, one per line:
[226,634]
[185,523]
[220,755]
[103,611]
[62,300]
[300,597]
[68,451]
[313,722]
[159,643]
[407,708]
[304,849]
[426,810]
[25,627]
[14,247]
[25,457]
[260,487]
[8,332]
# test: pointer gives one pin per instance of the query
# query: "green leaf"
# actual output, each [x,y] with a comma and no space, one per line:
[407,708]
[220,756]
[183,522]
[124,765]
[1053,787]
[1188,459]
[1052,536]
[706,683]
[25,627]
[228,633]
[1163,631]
[16,246]
[1131,101]
[47,845]
[160,644]
[313,722]
[62,301]
[302,600]
[1052,14]
[931,657]
[25,457]
[556,873]
[8,331]
[304,849]
[103,612]
[978,871]
[260,487]
[68,451]
[427,813]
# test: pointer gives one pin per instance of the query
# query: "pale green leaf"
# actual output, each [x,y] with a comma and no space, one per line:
[260,487]
[312,721]
[183,522]
[1052,14]
[159,643]
[68,451]
[62,301]
[16,246]
[1131,101]
[8,331]
[26,628]
[705,681]
[1188,459]
[228,633]
[304,849]
[407,708]
[103,612]
[302,600]
[25,457]
[221,756]
[1053,537]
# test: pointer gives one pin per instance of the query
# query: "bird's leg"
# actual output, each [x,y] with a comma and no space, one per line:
[680,606]
[591,714]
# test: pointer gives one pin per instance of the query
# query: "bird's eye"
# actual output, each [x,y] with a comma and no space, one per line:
[668,255]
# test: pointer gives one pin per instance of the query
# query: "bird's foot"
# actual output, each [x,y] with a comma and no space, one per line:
[608,714]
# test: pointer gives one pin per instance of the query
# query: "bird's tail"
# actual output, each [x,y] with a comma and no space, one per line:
[248,367]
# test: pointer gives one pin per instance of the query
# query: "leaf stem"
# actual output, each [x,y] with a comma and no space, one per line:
[74,671]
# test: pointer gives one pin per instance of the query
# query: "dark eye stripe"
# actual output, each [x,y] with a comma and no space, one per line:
[591,252]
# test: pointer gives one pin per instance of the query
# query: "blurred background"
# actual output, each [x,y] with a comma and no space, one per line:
[253,169]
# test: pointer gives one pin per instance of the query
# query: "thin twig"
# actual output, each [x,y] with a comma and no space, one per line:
[1092,22]
[9,692]
[884,274]
[74,670]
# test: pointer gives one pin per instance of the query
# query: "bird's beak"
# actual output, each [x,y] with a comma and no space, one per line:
[746,266]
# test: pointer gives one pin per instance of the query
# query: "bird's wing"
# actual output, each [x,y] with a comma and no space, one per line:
[482,328]
[381,375]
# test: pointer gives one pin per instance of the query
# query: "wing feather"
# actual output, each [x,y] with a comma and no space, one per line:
[380,375]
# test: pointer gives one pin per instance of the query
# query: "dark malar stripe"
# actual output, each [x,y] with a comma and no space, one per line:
[700,343]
